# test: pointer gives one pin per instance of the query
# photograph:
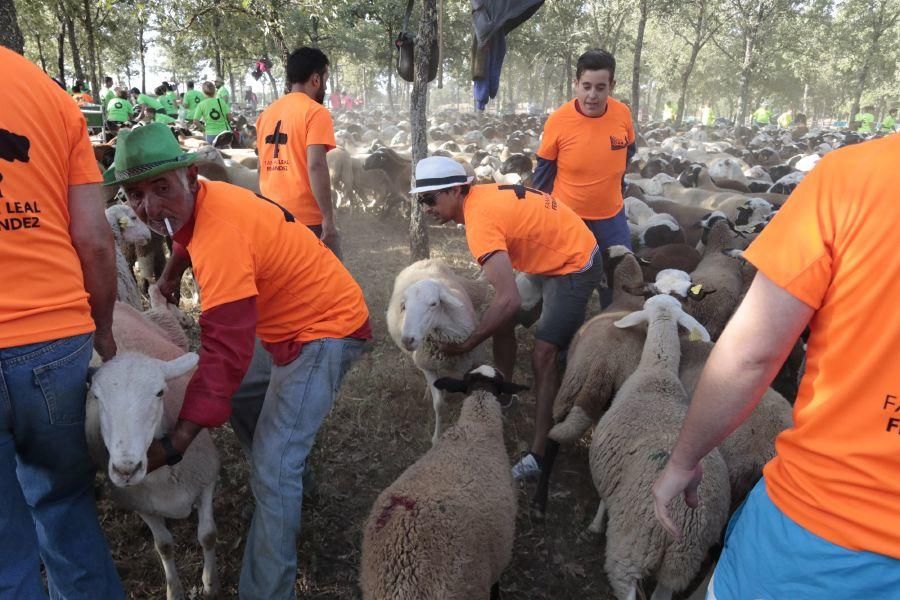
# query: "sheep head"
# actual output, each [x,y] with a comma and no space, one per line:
[664,307]
[129,393]
[125,222]
[424,308]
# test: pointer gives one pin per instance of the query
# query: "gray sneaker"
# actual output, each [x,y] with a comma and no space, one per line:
[527,469]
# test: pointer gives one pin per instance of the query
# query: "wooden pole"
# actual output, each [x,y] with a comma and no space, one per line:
[418,233]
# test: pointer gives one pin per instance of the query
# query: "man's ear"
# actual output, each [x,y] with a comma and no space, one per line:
[612,86]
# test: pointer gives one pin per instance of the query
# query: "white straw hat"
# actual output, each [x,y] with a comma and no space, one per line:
[437,173]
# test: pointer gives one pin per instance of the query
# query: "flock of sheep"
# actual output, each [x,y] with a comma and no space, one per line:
[445,527]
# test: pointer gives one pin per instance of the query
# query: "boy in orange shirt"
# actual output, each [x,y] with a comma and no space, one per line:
[585,149]
[513,227]
[261,274]
[823,522]
[295,133]
[58,263]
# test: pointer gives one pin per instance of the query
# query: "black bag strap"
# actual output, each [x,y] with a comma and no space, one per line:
[519,189]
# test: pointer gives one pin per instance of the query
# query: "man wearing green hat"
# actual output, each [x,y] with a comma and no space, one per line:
[261,274]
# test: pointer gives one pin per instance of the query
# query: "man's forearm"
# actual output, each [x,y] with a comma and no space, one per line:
[177,264]
[97,264]
[321,189]
[501,310]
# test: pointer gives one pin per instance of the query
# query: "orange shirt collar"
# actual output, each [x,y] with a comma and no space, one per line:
[578,110]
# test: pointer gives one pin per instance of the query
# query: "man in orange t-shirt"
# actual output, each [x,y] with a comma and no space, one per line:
[585,149]
[823,522]
[512,227]
[261,274]
[58,263]
[295,133]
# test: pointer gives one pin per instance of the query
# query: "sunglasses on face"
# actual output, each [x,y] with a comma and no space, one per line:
[428,199]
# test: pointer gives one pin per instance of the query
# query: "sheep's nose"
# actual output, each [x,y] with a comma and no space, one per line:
[126,470]
[408,342]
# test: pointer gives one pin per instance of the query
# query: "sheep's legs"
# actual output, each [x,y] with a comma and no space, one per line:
[165,547]
[661,593]
[596,526]
[206,534]
[437,400]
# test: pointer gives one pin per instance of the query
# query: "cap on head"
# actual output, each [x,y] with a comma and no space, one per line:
[146,152]
[438,173]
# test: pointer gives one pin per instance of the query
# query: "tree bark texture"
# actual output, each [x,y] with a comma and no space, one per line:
[636,67]
[73,45]
[61,51]
[92,50]
[143,49]
[418,233]
[10,34]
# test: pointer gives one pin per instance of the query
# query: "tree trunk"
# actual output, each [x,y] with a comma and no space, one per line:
[746,68]
[37,38]
[235,95]
[143,50]
[685,79]
[636,67]
[61,51]
[418,233]
[10,34]
[217,50]
[73,44]
[92,50]
[274,84]
[569,77]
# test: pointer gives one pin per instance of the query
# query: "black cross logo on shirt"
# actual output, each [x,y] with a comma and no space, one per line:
[277,138]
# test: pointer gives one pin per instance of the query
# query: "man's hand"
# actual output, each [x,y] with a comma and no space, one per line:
[104,344]
[170,288]
[672,482]
[453,349]
[181,436]
[331,237]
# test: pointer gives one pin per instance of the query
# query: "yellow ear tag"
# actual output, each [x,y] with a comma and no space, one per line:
[124,222]
[695,335]
[696,289]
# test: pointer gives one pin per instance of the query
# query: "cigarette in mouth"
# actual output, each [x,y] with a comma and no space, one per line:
[169,227]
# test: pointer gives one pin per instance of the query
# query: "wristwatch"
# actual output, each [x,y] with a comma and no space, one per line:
[173,456]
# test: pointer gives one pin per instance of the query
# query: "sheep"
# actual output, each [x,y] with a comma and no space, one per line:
[133,399]
[445,527]
[214,167]
[651,229]
[128,232]
[669,256]
[168,317]
[630,447]
[430,303]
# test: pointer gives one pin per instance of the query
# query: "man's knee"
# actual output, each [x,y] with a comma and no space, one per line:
[544,355]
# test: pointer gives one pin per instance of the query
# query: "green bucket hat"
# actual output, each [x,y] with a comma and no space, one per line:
[145,152]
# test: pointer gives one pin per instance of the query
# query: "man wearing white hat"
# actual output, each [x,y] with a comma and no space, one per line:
[513,227]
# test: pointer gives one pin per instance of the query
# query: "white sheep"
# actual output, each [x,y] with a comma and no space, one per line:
[133,399]
[128,231]
[431,303]
[445,527]
[630,447]
[168,317]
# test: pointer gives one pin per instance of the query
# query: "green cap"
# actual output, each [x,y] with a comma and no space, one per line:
[145,152]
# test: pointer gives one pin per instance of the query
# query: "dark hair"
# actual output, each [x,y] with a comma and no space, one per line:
[190,85]
[303,62]
[596,60]
[107,79]
[892,111]
[160,90]
[76,88]
[135,91]
[464,189]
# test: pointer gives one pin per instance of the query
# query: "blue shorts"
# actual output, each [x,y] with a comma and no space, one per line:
[611,232]
[768,556]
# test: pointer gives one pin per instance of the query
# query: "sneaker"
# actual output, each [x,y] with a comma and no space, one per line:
[527,469]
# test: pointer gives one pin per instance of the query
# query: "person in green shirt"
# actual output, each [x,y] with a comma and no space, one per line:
[167,103]
[118,109]
[108,93]
[192,98]
[668,112]
[889,123]
[786,118]
[172,97]
[214,113]
[145,100]
[763,115]
[222,93]
[706,115]
[151,115]
[866,119]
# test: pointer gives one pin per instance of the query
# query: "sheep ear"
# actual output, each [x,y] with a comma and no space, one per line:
[448,384]
[512,388]
[180,366]
[449,299]
[645,289]
[698,331]
[630,320]
[643,261]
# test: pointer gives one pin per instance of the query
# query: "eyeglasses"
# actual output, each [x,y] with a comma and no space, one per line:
[429,199]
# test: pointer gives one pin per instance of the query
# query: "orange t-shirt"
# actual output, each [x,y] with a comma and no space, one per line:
[285,129]
[832,247]
[590,155]
[243,245]
[541,235]
[42,153]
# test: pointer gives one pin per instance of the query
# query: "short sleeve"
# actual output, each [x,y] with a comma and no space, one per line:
[795,250]
[223,262]
[484,235]
[320,129]
[83,167]
[549,149]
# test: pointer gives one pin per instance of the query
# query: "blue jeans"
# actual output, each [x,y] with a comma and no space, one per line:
[47,510]
[610,232]
[299,397]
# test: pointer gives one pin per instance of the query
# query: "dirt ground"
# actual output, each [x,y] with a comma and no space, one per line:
[379,426]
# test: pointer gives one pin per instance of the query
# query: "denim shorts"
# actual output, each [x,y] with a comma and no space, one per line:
[611,232]
[565,299]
